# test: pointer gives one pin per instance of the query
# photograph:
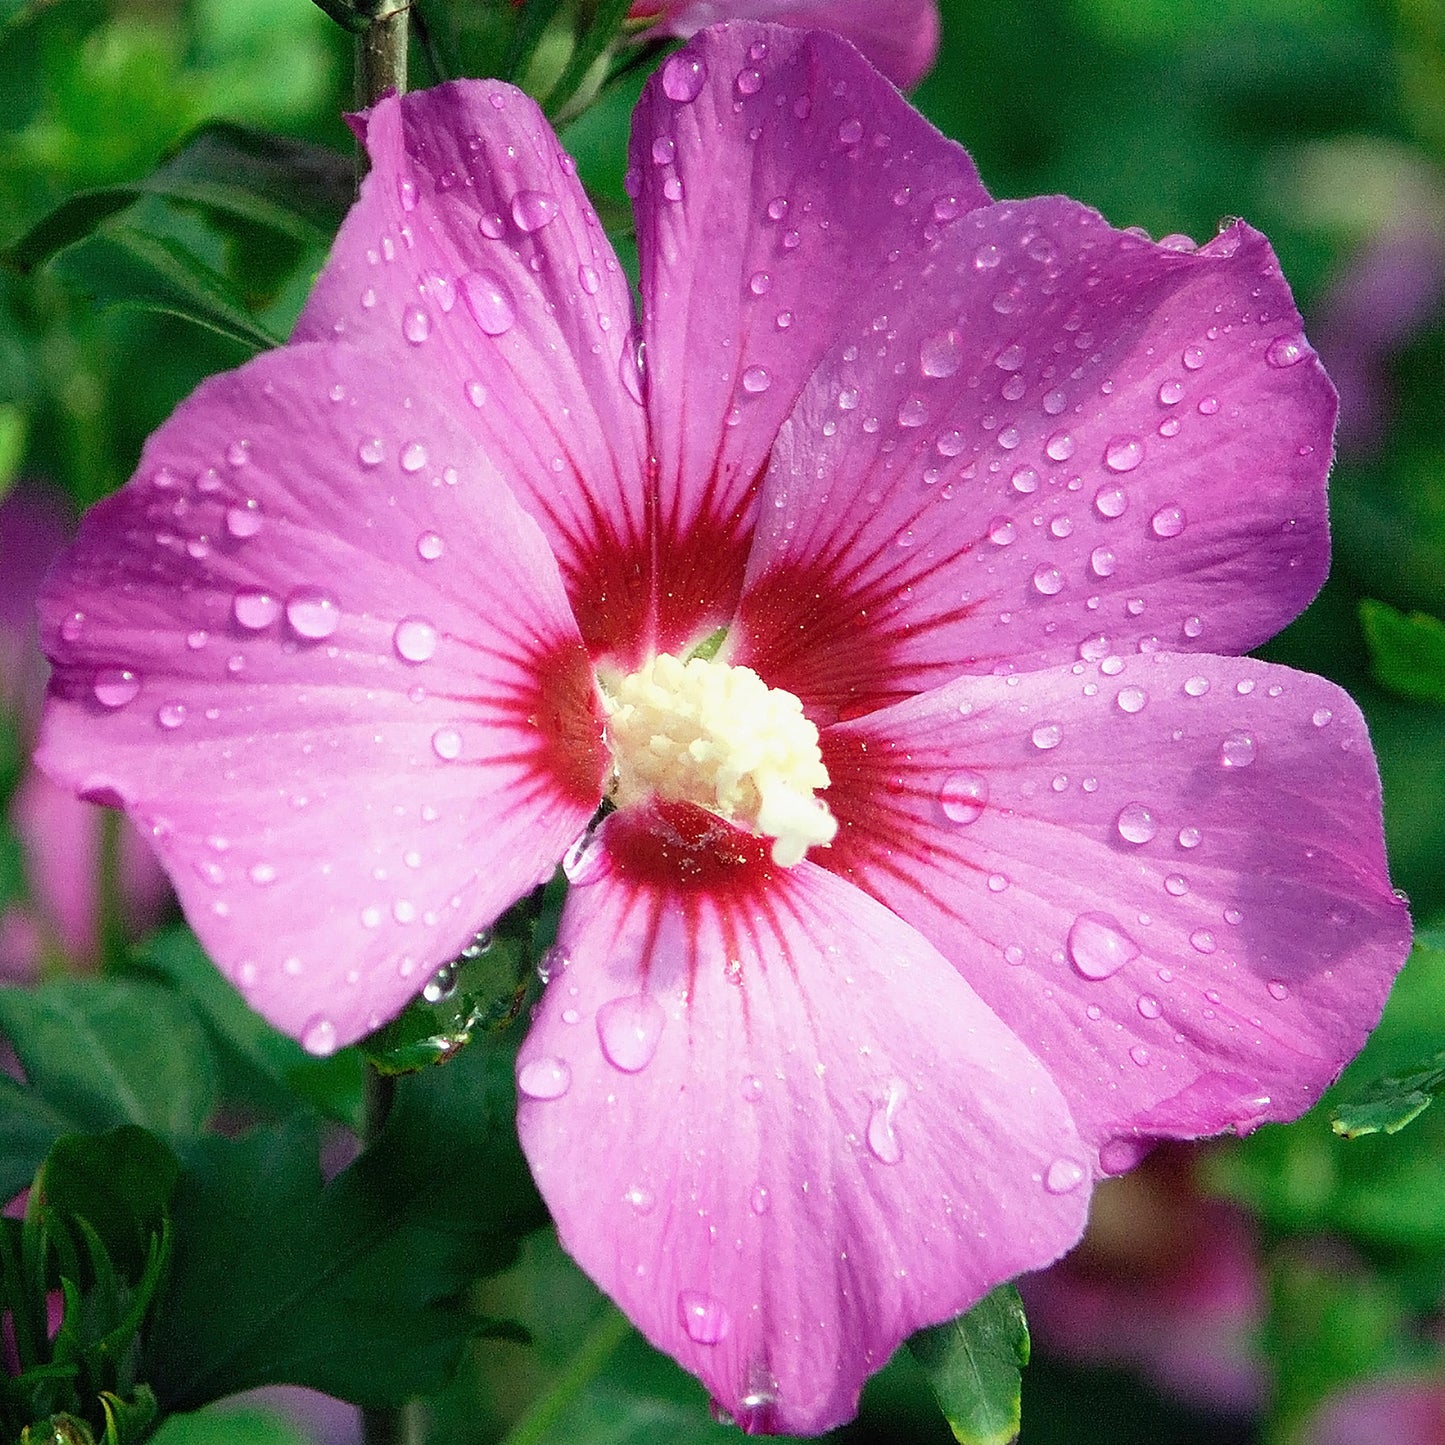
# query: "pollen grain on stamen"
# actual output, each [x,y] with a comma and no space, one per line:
[709,733]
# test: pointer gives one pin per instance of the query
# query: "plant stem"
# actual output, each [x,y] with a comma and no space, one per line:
[603,1339]
[381,56]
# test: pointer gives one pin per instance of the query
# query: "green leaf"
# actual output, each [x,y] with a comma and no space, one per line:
[1391,1103]
[228,1425]
[351,1288]
[975,1366]
[128,1421]
[233,173]
[259,1066]
[98,1053]
[125,266]
[1407,651]
[12,445]
[120,1183]
[605,21]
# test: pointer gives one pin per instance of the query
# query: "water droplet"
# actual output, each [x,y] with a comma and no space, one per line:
[851,131]
[583,861]
[1208,406]
[749,82]
[987,257]
[1322,717]
[319,1037]
[1111,501]
[544,1078]
[1167,521]
[912,413]
[171,715]
[441,985]
[1189,837]
[882,1141]
[777,208]
[245,520]
[1011,358]
[963,796]
[705,1319]
[1048,580]
[1132,699]
[1171,392]
[1287,351]
[672,189]
[1102,562]
[997,882]
[1176,885]
[532,210]
[1149,1007]
[1140,1055]
[1059,447]
[255,610]
[751,1088]
[429,546]
[1237,751]
[489,302]
[115,686]
[1048,735]
[371,452]
[1202,940]
[760,283]
[683,78]
[629,1030]
[1064,1176]
[1025,481]
[1123,454]
[1098,946]
[413,457]
[447,744]
[756,380]
[415,325]
[1193,358]
[941,354]
[1135,823]
[1002,532]
[415,639]
[759,1201]
[641,1199]
[1277,990]
[312,612]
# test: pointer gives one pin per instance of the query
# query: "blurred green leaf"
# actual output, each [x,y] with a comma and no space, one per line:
[259,1066]
[12,445]
[1407,651]
[233,173]
[119,1183]
[604,19]
[98,1053]
[227,1425]
[975,1365]
[125,266]
[1391,1103]
[352,1287]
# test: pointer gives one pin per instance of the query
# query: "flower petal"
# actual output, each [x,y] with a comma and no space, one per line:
[475,259]
[341,693]
[779,183]
[900,37]
[774,1124]
[1060,431]
[1167,874]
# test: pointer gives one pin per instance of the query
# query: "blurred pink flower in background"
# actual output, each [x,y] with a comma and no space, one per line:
[60,835]
[1165,1283]
[900,37]
[975,860]
[1408,1410]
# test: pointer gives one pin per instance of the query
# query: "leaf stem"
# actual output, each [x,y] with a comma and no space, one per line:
[381,50]
[603,1339]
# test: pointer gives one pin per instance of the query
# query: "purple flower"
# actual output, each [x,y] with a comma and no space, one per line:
[900,37]
[60,835]
[1401,1411]
[970,864]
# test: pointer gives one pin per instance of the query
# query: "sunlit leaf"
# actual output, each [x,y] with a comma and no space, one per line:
[1407,650]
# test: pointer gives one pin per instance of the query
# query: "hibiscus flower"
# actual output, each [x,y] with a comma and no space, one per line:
[885,578]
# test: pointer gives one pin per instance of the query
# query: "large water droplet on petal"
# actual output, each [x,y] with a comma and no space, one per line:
[629,1030]
[1135,823]
[1123,454]
[544,1078]
[1064,1176]
[882,1141]
[312,613]
[115,686]
[1098,946]
[683,78]
[489,302]
[705,1319]
[963,796]
[531,210]
[941,354]
[319,1037]
[1237,751]
[255,610]
[415,639]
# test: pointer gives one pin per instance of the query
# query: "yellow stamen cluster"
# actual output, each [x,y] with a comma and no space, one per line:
[708,733]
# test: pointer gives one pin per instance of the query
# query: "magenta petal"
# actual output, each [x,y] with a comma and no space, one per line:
[774,1124]
[779,183]
[340,691]
[900,37]
[1166,873]
[1060,432]
[475,259]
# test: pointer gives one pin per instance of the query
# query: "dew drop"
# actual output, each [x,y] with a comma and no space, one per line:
[1176,885]
[1286,351]
[1202,940]
[312,613]
[429,546]
[963,796]
[255,610]
[1102,562]
[1237,751]
[245,520]
[1190,837]
[1322,717]
[642,1200]
[446,743]
[941,354]
[756,380]
[1131,699]
[1123,454]
[1193,358]
[1011,358]
[683,78]
[441,986]
[1048,580]
[1167,521]
[912,413]
[850,132]
[1025,481]
[544,1078]
[1149,1007]
[1047,735]
[489,302]
[1098,946]
[1059,447]
[415,325]
[1135,823]
[1196,686]
[413,457]
[319,1037]
[1063,1176]
[882,1141]
[629,1030]
[371,452]
[1171,392]
[415,639]
[532,210]
[987,257]
[115,686]
[749,82]
[1277,990]
[704,1318]
[1002,532]
[759,1201]
[171,715]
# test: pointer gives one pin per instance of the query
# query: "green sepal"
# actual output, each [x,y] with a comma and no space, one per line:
[1391,1103]
[975,1367]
